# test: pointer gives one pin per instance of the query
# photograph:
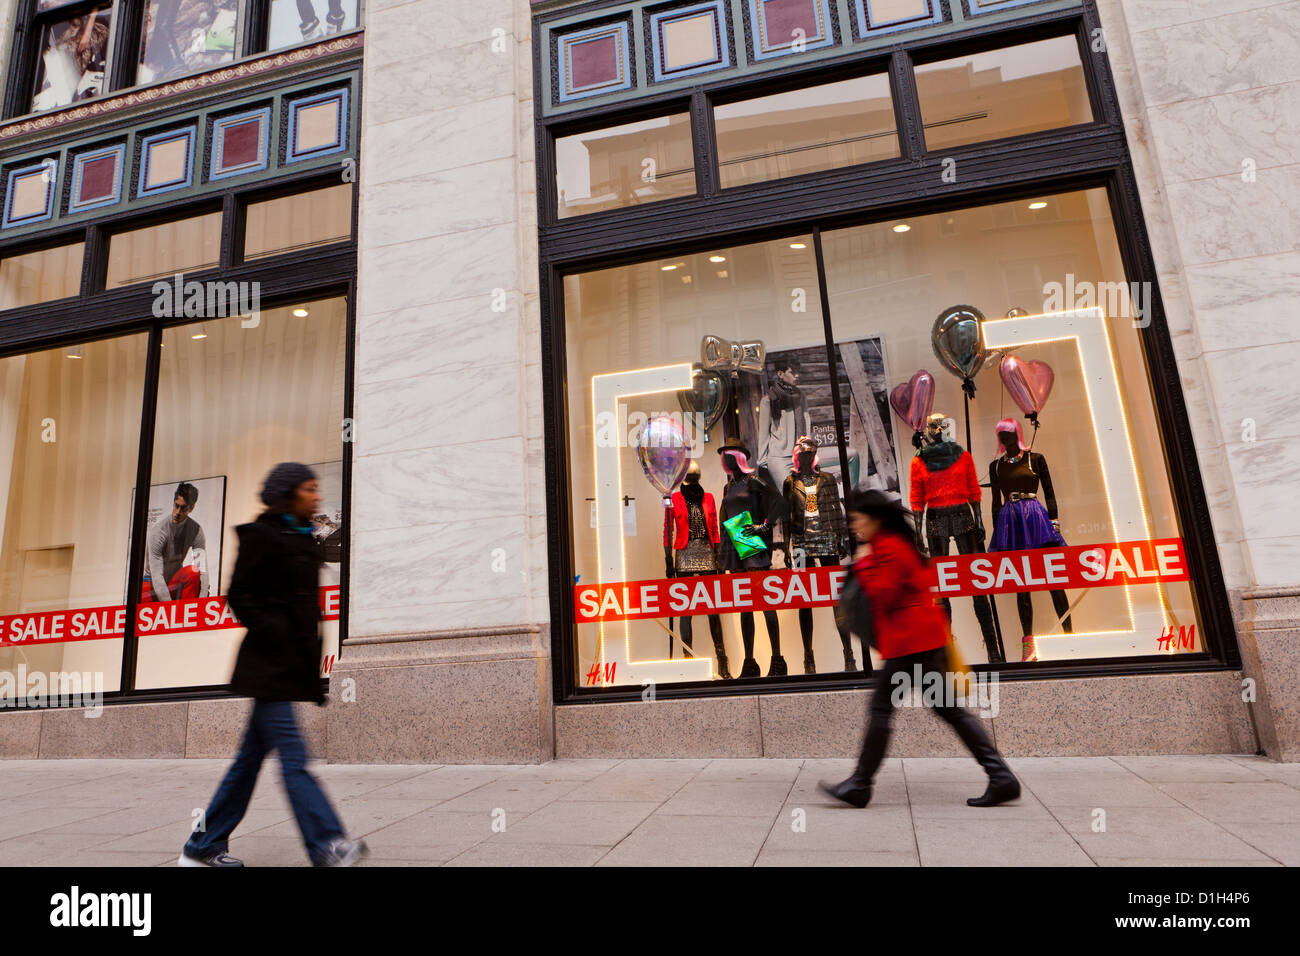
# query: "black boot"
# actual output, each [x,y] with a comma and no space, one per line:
[809,663]
[749,668]
[777,667]
[1003,785]
[850,664]
[855,791]
[720,652]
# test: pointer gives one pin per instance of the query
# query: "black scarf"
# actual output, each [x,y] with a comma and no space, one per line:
[782,396]
[940,455]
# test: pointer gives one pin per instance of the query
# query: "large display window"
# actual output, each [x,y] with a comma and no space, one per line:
[983,364]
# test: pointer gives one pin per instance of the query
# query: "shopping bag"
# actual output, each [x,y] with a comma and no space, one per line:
[745,544]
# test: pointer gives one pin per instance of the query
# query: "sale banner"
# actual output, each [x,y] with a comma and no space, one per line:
[152,619]
[1004,572]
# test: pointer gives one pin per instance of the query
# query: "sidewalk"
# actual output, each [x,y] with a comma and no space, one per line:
[1177,811]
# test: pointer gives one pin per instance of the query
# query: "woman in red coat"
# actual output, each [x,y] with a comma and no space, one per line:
[910,631]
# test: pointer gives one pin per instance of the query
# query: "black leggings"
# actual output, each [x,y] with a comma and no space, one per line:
[715,624]
[806,614]
[1025,606]
[969,543]
[747,632]
[308,13]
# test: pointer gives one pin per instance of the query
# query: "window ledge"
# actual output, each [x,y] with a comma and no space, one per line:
[139,97]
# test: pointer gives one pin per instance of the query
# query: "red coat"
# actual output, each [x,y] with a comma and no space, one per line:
[955,485]
[682,530]
[897,582]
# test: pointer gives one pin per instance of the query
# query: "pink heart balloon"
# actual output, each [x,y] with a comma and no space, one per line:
[1028,382]
[914,401]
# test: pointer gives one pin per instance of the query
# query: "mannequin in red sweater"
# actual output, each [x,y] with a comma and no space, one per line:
[945,495]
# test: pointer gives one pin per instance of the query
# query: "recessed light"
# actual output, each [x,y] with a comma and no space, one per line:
[717,258]
[74,352]
[798,245]
[300,313]
[1038,205]
[199,333]
[667,268]
[902,227]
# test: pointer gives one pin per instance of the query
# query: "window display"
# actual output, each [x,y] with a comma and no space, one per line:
[716,407]
[301,21]
[74,56]
[183,36]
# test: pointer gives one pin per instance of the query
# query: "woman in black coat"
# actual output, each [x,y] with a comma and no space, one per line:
[274,592]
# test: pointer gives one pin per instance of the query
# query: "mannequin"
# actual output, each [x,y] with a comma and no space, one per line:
[816,527]
[691,548]
[946,494]
[745,491]
[782,417]
[1022,523]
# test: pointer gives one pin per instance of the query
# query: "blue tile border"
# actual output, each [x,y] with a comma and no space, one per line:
[621,31]
[263,117]
[760,51]
[189,134]
[49,169]
[867,26]
[294,155]
[722,47]
[79,161]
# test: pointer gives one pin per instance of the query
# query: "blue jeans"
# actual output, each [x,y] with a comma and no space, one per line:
[270,727]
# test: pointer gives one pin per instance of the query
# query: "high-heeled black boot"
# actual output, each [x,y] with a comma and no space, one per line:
[1003,785]
[720,652]
[855,791]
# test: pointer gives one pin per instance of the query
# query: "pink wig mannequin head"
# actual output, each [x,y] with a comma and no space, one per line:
[1011,425]
[801,447]
[739,460]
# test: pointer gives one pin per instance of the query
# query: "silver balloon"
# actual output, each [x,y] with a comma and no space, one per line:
[958,340]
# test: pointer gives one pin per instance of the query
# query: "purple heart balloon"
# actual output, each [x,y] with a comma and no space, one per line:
[664,450]
[1029,383]
[914,401]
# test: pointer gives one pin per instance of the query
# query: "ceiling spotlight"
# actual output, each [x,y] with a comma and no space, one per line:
[667,268]
[798,245]
[200,333]
[1038,205]
[300,313]
[902,227]
[717,258]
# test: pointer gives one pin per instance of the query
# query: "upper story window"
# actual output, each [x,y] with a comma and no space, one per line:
[65,51]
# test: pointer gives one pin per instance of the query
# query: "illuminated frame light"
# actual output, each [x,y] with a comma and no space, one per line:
[607,394]
[1128,517]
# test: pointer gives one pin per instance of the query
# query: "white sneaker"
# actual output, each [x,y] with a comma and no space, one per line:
[343,852]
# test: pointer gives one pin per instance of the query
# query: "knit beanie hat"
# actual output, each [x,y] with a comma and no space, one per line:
[278,488]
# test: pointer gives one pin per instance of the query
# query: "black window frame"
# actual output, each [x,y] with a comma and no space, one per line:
[1063,159]
[318,272]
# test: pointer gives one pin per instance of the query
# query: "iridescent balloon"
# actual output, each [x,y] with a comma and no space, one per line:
[664,450]
[958,340]
[1029,383]
[914,400]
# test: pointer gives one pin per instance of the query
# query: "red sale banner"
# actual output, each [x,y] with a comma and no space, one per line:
[106,623]
[1004,572]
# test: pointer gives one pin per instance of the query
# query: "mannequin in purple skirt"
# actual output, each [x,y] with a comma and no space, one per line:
[1020,520]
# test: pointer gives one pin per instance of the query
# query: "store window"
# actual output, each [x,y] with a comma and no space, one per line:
[234,398]
[159,252]
[626,165]
[302,21]
[34,277]
[805,131]
[185,36]
[300,221]
[72,55]
[1006,92]
[1051,521]
[69,434]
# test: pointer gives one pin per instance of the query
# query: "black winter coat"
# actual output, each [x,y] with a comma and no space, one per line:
[274,593]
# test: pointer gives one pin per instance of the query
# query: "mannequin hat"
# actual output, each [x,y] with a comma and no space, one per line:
[734,444]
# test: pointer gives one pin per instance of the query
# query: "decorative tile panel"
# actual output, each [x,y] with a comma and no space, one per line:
[594,60]
[876,17]
[240,143]
[785,27]
[96,178]
[29,193]
[688,40]
[318,125]
[166,161]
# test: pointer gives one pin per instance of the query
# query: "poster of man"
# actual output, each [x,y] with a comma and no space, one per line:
[792,397]
[183,545]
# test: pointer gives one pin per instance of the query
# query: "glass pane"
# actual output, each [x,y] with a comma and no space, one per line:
[628,323]
[1097,464]
[300,221]
[184,36]
[41,276]
[69,441]
[234,399]
[301,21]
[805,131]
[625,165]
[159,252]
[1008,92]
[74,54]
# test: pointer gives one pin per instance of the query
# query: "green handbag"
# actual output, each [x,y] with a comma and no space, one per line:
[745,544]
